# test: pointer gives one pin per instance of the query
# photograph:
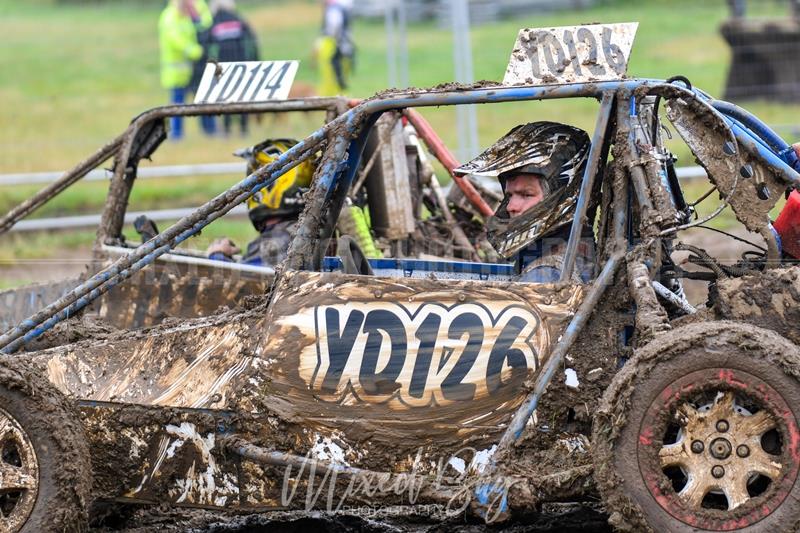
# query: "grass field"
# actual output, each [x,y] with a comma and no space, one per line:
[74,75]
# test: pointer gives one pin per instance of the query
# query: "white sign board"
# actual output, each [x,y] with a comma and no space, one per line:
[246,81]
[569,54]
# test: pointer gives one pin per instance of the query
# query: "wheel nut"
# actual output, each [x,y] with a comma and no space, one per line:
[720,448]
[697,446]
[722,426]
[742,450]
[718,471]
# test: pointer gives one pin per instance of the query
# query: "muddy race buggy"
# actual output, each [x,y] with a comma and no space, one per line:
[444,384]
[395,183]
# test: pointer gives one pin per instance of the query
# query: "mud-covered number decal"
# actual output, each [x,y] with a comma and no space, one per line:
[453,387]
[380,323]
[570,54]
[431,353]
[552,50]
[613,53]
[340,344]
[549,50]
[503,352]
[426,335]
[587,38]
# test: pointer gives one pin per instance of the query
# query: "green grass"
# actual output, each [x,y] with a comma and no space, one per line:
[153,193]
[238,229]
[40,244]
[26,245]
[74,75]
[81,72]
[12,283]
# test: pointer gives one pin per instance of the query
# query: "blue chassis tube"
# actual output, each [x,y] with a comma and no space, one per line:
[760,142]
[334,168]
[341,165]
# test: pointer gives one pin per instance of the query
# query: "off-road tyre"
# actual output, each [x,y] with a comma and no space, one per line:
[649,469]
[42,441]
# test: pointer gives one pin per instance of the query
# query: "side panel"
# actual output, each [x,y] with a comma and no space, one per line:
[411,360]
[20,303]
[180,291]
[378,373]
[415,360]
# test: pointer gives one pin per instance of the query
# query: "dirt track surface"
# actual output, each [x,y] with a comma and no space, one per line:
[554,517]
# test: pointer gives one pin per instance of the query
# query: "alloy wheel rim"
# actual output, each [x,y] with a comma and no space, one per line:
[19,474]
[717,441]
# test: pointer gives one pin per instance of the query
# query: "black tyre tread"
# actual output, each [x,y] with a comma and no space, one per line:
[611,416]
[51,420]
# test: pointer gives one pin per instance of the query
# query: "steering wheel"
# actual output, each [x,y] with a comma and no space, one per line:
[353,259]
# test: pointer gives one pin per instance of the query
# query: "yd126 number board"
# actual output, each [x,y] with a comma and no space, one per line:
[570,54]
[422,347]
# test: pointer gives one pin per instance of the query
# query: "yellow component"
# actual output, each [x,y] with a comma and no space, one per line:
[328,84]
[353,222]
[300,176]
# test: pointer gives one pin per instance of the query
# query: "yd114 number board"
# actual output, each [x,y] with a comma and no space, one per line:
[246,81]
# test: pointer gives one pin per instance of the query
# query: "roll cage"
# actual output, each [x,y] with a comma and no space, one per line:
[342,141]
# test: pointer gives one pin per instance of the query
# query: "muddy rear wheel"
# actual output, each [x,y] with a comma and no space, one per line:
[45,474]
[700,430]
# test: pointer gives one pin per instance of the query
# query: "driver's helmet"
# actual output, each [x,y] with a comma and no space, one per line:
[557,153]
[285,197]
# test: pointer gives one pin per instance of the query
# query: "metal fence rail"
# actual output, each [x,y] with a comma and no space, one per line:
[204,169]
[208,169]
[170,171]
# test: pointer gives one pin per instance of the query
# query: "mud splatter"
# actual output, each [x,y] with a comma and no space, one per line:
[611,421]
[54,429]
[770,300]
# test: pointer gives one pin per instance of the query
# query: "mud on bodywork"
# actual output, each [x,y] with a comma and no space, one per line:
[770,300]
[554,453]
[178,291]
[157,455]
[302,360]
[703,136]
[612,413]
[17,304]
[429,387]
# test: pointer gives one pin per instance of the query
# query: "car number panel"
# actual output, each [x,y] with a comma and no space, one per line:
[353,351]
[569,54]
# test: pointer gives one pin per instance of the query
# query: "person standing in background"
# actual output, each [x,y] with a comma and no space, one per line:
[202,19]
[334,49]
[178,47]
[231,39]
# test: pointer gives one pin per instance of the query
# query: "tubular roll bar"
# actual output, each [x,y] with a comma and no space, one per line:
[113,216]
[339,164]
[587,184]
[126,139]
[60,185]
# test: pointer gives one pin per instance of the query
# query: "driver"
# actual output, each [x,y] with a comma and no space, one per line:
[273,210]
[535,164]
